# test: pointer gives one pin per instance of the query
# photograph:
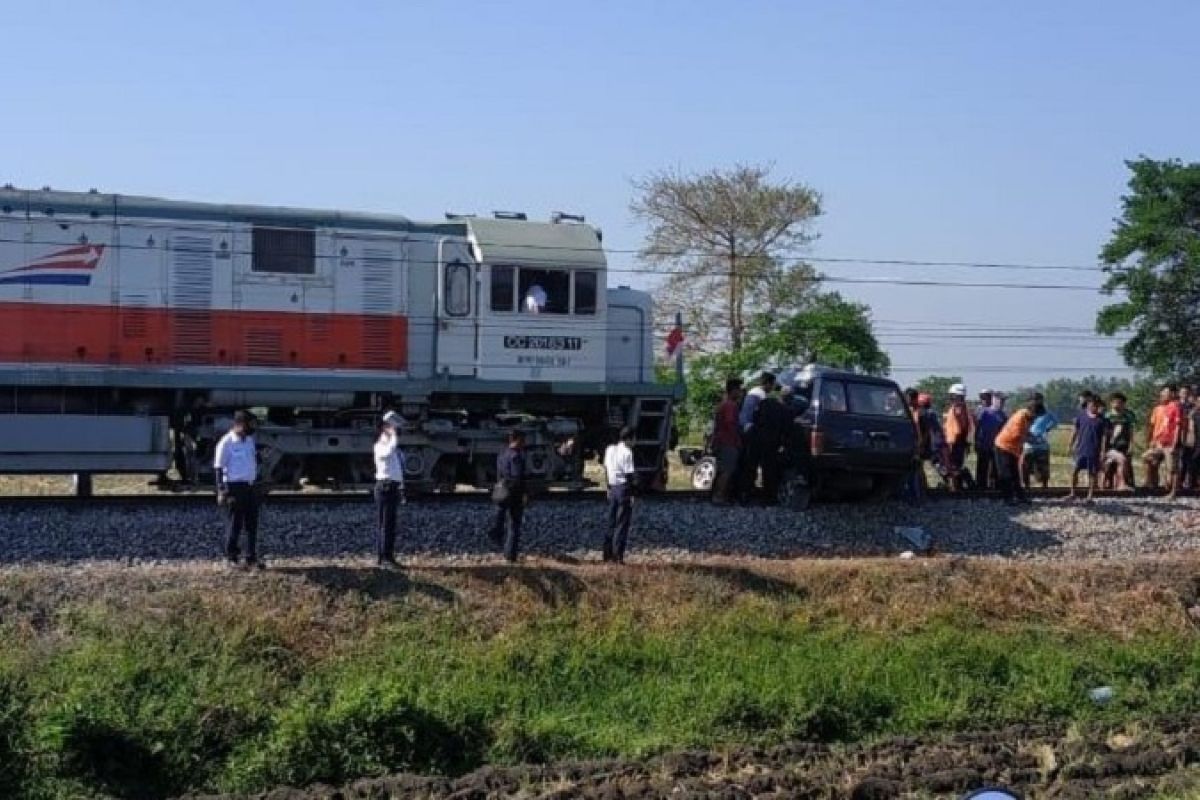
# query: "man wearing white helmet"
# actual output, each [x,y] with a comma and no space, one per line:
[957,426]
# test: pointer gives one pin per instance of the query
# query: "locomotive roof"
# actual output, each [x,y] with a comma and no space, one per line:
[95,204]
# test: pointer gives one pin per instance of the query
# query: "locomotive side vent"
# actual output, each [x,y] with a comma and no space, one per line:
[378,304]
[191,299]
[134,324]
[264,347]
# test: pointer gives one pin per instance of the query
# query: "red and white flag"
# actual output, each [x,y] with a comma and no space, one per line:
[674,339]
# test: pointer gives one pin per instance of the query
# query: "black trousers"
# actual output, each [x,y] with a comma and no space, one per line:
[512,510]
[1008,476]
[985,467]
[387,499]
[749,463]
[620,518]
[241,516]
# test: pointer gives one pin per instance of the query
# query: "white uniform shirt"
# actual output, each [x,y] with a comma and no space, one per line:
[389,463]
[236,458]
[535,299]
[618,463]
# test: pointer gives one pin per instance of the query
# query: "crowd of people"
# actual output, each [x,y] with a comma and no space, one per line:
[750,438]
[1012,451]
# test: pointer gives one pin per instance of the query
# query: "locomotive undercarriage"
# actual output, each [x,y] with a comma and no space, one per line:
[448,441]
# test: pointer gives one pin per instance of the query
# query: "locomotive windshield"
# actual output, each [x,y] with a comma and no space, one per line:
[543,291]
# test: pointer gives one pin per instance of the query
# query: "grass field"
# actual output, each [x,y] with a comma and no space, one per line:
[152,682]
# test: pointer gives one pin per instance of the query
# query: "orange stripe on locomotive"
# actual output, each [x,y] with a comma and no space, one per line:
[57,333]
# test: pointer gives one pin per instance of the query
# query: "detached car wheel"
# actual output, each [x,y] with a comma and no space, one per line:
[704,474]
[795,492]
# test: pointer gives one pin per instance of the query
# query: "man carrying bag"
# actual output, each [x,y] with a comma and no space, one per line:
[509,496]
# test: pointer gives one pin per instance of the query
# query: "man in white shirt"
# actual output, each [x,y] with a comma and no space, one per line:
[622,482]
[389,487]
[752,446]
[236,467]
[535,299]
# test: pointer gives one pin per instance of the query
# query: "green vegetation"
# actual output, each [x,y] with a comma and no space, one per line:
[1153,265]
[158,697]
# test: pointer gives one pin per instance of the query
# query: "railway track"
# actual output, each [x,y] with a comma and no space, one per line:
[200,498]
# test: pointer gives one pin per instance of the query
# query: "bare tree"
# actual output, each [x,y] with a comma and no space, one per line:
[729,243]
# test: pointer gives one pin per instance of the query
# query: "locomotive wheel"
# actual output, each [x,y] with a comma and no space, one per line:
[444,476]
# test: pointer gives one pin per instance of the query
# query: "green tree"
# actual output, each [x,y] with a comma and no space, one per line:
[830,331]
[728,242]
[1153,259]
[1062,394]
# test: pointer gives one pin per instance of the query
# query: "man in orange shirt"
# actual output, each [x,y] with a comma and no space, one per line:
[1165,429]
[958,428]
[1009,443]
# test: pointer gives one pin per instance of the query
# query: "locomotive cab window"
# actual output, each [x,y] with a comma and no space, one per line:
[457,289]
[502,288]
[545,291]
[585,293]
[284,251]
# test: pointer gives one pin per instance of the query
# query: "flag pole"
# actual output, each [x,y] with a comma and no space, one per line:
[679,351]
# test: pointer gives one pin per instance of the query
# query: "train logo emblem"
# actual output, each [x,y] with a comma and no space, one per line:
[71,266]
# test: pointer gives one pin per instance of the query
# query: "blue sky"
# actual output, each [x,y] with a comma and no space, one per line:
[935,130]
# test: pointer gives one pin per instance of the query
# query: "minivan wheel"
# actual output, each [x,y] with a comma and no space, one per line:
[795,493]
[704,474]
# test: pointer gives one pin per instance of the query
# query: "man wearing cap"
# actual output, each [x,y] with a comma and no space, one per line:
[389,487]
[622,482]
[236,468]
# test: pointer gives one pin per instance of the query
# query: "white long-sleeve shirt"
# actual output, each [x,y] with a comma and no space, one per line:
[389,461]
[618,464]
[236,458]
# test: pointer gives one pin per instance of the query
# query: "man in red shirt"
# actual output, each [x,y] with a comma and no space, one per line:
[1165,429]
[727,441]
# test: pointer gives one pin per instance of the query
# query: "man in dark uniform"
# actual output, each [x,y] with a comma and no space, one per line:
[509,495]
[753,445]
[771,425]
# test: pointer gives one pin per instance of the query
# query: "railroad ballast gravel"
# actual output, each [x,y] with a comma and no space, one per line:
[664,529]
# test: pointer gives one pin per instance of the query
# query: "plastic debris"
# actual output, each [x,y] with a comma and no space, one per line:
[907,554]
[918,537]
[1101,694]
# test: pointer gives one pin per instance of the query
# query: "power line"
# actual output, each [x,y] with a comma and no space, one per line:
[398,236]
[649,270]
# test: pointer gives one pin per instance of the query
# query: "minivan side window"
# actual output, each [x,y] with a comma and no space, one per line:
[874,400]
[833,396]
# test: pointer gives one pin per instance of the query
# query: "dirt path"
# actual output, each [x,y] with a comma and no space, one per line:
[1038,762]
